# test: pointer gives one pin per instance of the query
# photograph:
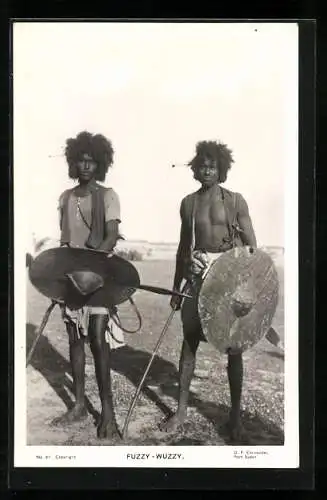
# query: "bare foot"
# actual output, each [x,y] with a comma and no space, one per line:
[173,423]
[237,433]
[76,414]
[107,429]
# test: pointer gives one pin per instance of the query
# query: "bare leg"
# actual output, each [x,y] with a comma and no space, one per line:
[186,371]
[107,426]
[235,379]
[77,360]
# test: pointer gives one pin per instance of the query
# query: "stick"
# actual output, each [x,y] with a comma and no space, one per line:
[42,326]
[138,390]
[163,291]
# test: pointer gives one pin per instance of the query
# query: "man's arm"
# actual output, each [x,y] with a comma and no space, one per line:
[182,251]
[112,218]
[247,235]
[60,208]
[111,236]
[60,215]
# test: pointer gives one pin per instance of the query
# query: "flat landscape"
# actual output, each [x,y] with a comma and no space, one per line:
[49,382]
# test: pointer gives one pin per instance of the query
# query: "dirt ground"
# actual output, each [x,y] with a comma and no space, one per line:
[49,381]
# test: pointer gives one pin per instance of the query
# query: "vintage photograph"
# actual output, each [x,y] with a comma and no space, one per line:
[155,206]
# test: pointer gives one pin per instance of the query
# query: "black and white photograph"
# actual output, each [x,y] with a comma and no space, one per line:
[155,244]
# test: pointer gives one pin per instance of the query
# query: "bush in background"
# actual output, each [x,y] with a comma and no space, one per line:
[132,255]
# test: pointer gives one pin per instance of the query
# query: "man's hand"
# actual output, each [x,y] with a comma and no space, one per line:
[199,262]
[176,302]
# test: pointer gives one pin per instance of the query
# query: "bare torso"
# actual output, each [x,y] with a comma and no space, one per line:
[210,220]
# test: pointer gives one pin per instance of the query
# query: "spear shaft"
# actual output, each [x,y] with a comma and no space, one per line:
[40,331]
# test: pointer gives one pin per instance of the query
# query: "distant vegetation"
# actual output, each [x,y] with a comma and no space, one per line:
[132,255]
[140,250]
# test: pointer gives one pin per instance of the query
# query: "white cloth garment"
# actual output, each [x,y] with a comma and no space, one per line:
[81,317]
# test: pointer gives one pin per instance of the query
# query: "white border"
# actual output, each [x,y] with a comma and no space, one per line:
[286,456]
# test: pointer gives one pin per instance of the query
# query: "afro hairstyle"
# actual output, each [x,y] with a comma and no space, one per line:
[97,146]
[214,151]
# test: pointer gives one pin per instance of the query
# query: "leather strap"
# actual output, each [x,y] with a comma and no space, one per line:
[83,218]
[118,323]
[193,222]
[229,220]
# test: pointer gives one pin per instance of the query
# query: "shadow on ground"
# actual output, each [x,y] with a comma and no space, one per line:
[131,363]
[275,354]
[54,368]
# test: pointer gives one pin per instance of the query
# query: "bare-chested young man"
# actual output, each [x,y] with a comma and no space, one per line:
[205,231]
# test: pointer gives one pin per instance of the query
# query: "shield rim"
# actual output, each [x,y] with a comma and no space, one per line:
[121,292]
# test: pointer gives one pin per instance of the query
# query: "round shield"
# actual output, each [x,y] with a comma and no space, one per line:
[238,298]
[112,280]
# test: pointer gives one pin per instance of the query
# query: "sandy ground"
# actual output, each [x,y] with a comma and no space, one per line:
[49,382]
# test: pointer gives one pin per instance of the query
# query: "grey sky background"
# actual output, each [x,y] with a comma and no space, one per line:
[155,90]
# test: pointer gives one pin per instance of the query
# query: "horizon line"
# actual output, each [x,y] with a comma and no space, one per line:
[158,242]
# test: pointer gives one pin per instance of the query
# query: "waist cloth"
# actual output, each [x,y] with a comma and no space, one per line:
[189,309]
[80,318]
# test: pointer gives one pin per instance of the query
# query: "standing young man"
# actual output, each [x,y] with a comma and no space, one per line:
[205,234]
[89,218]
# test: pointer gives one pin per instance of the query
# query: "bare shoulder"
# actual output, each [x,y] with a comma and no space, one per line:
[242,204]
[187,203]
[189,198]
[233,194]
[228,193]
[239,200]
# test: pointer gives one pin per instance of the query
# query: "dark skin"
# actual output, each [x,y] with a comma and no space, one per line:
[210,229]
[100,349]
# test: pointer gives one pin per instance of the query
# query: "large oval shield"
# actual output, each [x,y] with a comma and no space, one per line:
[238,298]
[48,273]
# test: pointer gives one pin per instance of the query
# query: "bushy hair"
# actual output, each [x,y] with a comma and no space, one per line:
[97,146]
[215,151]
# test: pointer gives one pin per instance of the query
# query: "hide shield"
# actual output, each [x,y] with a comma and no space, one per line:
[78,277]
[237,299]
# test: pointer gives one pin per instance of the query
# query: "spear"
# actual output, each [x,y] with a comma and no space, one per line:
[40,331]
[139,388]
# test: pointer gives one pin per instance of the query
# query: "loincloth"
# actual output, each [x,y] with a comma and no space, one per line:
[189,310]
[81,317]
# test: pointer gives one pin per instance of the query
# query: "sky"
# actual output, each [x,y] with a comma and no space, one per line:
[155,90]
